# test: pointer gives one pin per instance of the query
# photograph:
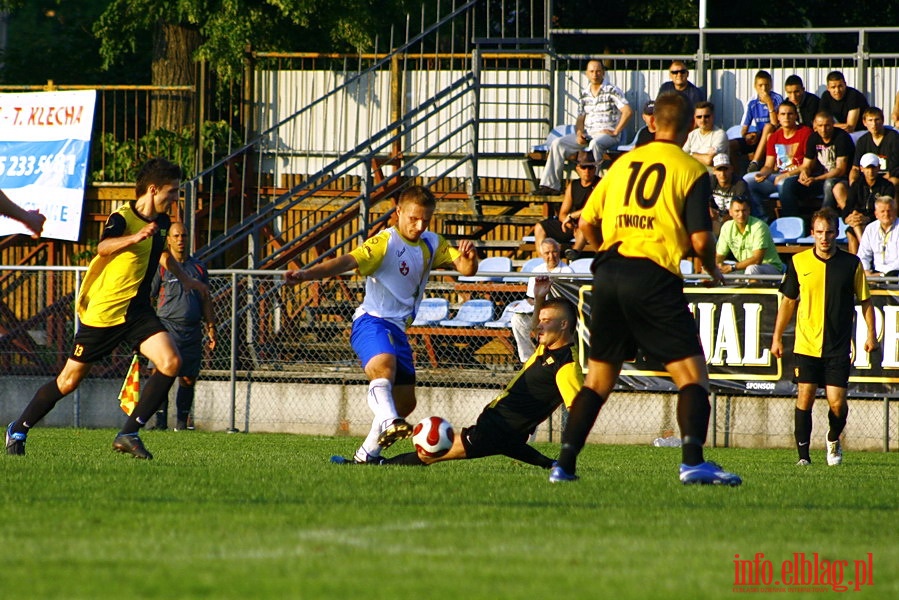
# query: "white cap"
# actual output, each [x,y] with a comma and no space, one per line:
[721,160]
[869,159]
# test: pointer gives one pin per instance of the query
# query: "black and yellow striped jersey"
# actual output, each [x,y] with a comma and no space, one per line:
[116,284]
[827,291]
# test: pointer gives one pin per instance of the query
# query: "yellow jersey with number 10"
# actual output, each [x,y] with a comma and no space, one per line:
[641,200]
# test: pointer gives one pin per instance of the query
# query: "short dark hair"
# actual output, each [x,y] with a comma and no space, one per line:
[156,171]
[788,104]
[762,75]
[836,76]
[566,307]
[704,104]
[794,80]
[418,194]
[672,108]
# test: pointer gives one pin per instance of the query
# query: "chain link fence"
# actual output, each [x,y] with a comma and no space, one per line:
[283,362]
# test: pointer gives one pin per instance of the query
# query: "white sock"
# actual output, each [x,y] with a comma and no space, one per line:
[370,446]
[380,400]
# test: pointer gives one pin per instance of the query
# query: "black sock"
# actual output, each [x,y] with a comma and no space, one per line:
[153,394]
[528,454]
[42,403]
[184,400]
[581,417]
[693,410]
[802,431]
[837,423]
[409,459]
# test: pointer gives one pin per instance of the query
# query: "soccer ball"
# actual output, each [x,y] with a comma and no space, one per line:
[433,437]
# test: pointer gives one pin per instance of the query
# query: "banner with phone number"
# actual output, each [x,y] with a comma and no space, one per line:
[736,325]
[44,153]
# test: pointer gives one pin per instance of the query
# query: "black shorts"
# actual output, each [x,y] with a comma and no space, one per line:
[94,343]
[189,342]
[553,229]
[487,438]
[824,371]
[637,303]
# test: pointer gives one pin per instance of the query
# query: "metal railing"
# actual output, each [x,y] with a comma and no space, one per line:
[283,362]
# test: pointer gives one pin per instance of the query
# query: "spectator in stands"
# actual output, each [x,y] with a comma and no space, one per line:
[748,240]
[550,377]
[879,247]
[31,219]
[565,227]
[726,186]
[844,103]
[825,168]
[680,83]
[880,141]
[646,133]
[759,113]
[524,317]
[396,264]
[604,113]
[706,140]
[783,157]
[859,208]
[806,102]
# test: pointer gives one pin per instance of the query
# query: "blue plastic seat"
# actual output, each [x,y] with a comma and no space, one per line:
[581,265]
[505,319]
[556,132]
[472,313]
[785,230]
[430,311]
[492,264]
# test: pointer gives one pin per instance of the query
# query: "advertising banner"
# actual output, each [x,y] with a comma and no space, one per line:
[735,325]
[44,152]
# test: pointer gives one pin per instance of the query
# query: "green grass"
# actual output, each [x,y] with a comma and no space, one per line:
[267,516]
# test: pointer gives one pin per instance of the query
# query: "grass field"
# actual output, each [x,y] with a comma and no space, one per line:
[267,516]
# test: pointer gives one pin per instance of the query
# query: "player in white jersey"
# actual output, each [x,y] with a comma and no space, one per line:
[396,263]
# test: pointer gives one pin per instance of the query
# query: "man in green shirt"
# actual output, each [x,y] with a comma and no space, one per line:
[749,241]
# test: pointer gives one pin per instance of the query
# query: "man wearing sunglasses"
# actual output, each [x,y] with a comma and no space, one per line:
[706,140]
[680,83]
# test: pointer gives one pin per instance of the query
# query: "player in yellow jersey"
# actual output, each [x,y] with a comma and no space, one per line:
[114,307]
[649,210]
[823,283]
[396,264]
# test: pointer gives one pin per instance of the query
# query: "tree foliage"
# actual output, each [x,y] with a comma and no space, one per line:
[228,27]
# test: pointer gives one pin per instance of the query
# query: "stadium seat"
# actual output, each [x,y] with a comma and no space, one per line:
[431,311]
[527,267]
[786,230]
[857,134]
[505,319]
[556,132]
[581,265]
[492,264]
[734,132]
[686,266]
[472,313]
[841,235]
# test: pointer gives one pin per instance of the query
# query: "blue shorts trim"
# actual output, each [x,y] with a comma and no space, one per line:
[372,336]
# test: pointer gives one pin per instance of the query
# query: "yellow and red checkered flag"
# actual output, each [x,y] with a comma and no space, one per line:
[130,393]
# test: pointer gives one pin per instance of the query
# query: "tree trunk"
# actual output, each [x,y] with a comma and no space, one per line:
[173,64]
